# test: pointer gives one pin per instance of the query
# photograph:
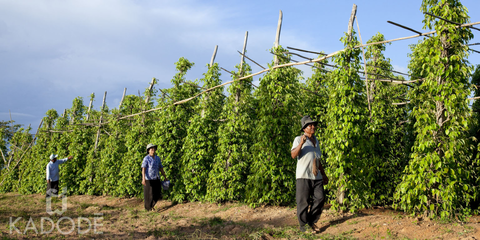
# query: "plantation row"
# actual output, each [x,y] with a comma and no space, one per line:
[421,157]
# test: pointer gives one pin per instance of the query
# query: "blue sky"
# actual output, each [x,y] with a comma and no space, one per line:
[52,51]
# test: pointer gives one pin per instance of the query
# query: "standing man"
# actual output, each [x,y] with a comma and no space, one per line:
[310,176]
[152,186]
[52,174]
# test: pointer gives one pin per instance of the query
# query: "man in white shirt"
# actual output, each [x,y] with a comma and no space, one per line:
[53,174]
[310,176]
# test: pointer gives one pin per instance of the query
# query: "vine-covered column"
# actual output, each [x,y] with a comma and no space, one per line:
[436,181]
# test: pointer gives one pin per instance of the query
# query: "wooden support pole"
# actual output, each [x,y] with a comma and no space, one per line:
[104,99]
[214,55]
[367,85]
[277,37]
[90,107]
[341,193]
[242,59]
[150,91]
[211,65]
[123,97]
[350,22]
[100,122]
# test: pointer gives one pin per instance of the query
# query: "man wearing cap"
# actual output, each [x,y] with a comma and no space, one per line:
[53,174]
[152,186]
[310,176]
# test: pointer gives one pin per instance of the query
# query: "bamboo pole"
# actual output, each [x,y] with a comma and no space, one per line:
[251,60]
[398,81]
[301,50]
[3,156]
[402,103]
[449,21]
[367,85]
[275,67]
[229,82]
[277,37]
[57,131]
[414,36]
[123,98]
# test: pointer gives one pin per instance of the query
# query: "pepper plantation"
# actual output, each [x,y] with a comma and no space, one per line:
[388,138]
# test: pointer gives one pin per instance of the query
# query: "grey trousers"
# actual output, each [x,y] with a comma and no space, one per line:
[310,193]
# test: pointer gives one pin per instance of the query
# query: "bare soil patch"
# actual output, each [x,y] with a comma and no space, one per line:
[125,218]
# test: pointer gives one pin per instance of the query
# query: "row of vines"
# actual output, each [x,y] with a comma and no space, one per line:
[421,157]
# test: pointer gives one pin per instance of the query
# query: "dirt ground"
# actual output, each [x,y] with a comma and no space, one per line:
[103,217]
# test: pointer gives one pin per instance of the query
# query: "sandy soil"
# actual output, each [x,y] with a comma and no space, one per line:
[122,218]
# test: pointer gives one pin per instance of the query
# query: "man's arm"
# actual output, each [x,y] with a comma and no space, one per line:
[61,161]
[324,176]
[296,151]
[48,174]
[143,177]
[164,175]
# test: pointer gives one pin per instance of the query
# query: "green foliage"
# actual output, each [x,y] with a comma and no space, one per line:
[226,181]
[171,128]
[136,140]
[200,145]
[436,181]
[113,150]
[344,138]
[386,127]
[34,164]
[7,130]
[423,157]
[19,145]
[271,179]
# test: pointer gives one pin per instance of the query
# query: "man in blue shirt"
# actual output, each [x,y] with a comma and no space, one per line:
[152,186]
[52,174]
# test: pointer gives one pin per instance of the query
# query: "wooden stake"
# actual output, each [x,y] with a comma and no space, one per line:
[277,37]
[104,99]
[211,65]
[89,108]
[150,91]
[242,59]
[214,55]
[123,97]
[341,193]
[350,22]
[100,121]
[365,69]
